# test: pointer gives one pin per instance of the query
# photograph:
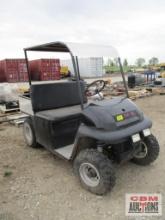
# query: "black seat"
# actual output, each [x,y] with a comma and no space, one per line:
[56,95]
[65,113]
[57,112]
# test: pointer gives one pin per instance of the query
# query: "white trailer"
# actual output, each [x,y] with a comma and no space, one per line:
[89,67]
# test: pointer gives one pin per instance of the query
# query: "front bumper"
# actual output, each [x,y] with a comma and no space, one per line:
[114,137]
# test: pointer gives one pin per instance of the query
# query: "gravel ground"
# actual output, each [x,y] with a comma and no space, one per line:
[36,185]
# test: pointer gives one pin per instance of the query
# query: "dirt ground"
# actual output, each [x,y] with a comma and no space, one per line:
[36,185]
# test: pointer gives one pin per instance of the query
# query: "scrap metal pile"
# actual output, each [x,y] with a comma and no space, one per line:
[117,89]
[9,103]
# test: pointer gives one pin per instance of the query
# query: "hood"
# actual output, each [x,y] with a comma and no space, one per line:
[103,114]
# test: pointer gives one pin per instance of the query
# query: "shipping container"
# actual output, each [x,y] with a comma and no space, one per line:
[89,67]
[13,70]
[2,74]
[45,69]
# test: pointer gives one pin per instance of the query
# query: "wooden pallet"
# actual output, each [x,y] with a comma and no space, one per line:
[158,90]
[15,119]
[3,109]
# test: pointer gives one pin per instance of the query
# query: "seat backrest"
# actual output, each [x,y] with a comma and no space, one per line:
[56,95]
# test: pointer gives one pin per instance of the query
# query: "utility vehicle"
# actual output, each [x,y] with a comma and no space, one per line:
[91,134]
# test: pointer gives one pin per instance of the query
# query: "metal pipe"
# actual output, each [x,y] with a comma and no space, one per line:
[27,65]
[75,67]
[123,76]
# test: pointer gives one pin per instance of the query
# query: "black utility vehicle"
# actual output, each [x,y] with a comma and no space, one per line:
[91,134]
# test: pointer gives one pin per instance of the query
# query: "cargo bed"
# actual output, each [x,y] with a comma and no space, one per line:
[25,104]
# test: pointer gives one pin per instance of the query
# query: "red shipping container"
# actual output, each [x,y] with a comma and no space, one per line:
[45,69]
[14,70]
[2,74]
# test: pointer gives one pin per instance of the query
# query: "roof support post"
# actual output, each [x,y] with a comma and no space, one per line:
[76,71]
[123,76]
[27,65]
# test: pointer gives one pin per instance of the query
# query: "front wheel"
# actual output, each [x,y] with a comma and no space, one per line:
[95,171]
[149,151]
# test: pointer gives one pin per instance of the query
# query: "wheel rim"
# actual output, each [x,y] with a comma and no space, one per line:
[89,174]
[28,133]
[143,151]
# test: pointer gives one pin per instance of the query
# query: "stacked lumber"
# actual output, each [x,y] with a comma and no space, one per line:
[133,94]
[157,90]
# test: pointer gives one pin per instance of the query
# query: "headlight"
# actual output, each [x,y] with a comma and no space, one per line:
[135,138]
[146,132]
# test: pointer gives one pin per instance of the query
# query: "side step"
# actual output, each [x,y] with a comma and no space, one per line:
[65,152]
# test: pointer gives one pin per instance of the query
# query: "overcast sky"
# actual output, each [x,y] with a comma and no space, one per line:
[135,27]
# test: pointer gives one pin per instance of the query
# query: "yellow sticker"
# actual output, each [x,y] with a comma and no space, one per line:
[119,117]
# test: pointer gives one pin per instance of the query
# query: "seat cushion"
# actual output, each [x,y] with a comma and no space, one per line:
[60,114]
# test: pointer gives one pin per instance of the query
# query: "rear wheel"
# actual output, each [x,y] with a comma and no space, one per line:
[149,151]
[95,171]
[29,134]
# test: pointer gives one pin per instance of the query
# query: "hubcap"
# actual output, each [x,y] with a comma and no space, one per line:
[89,174]
[28,133]
[143,151]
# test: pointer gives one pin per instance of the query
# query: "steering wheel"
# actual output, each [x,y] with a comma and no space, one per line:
[95,87]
